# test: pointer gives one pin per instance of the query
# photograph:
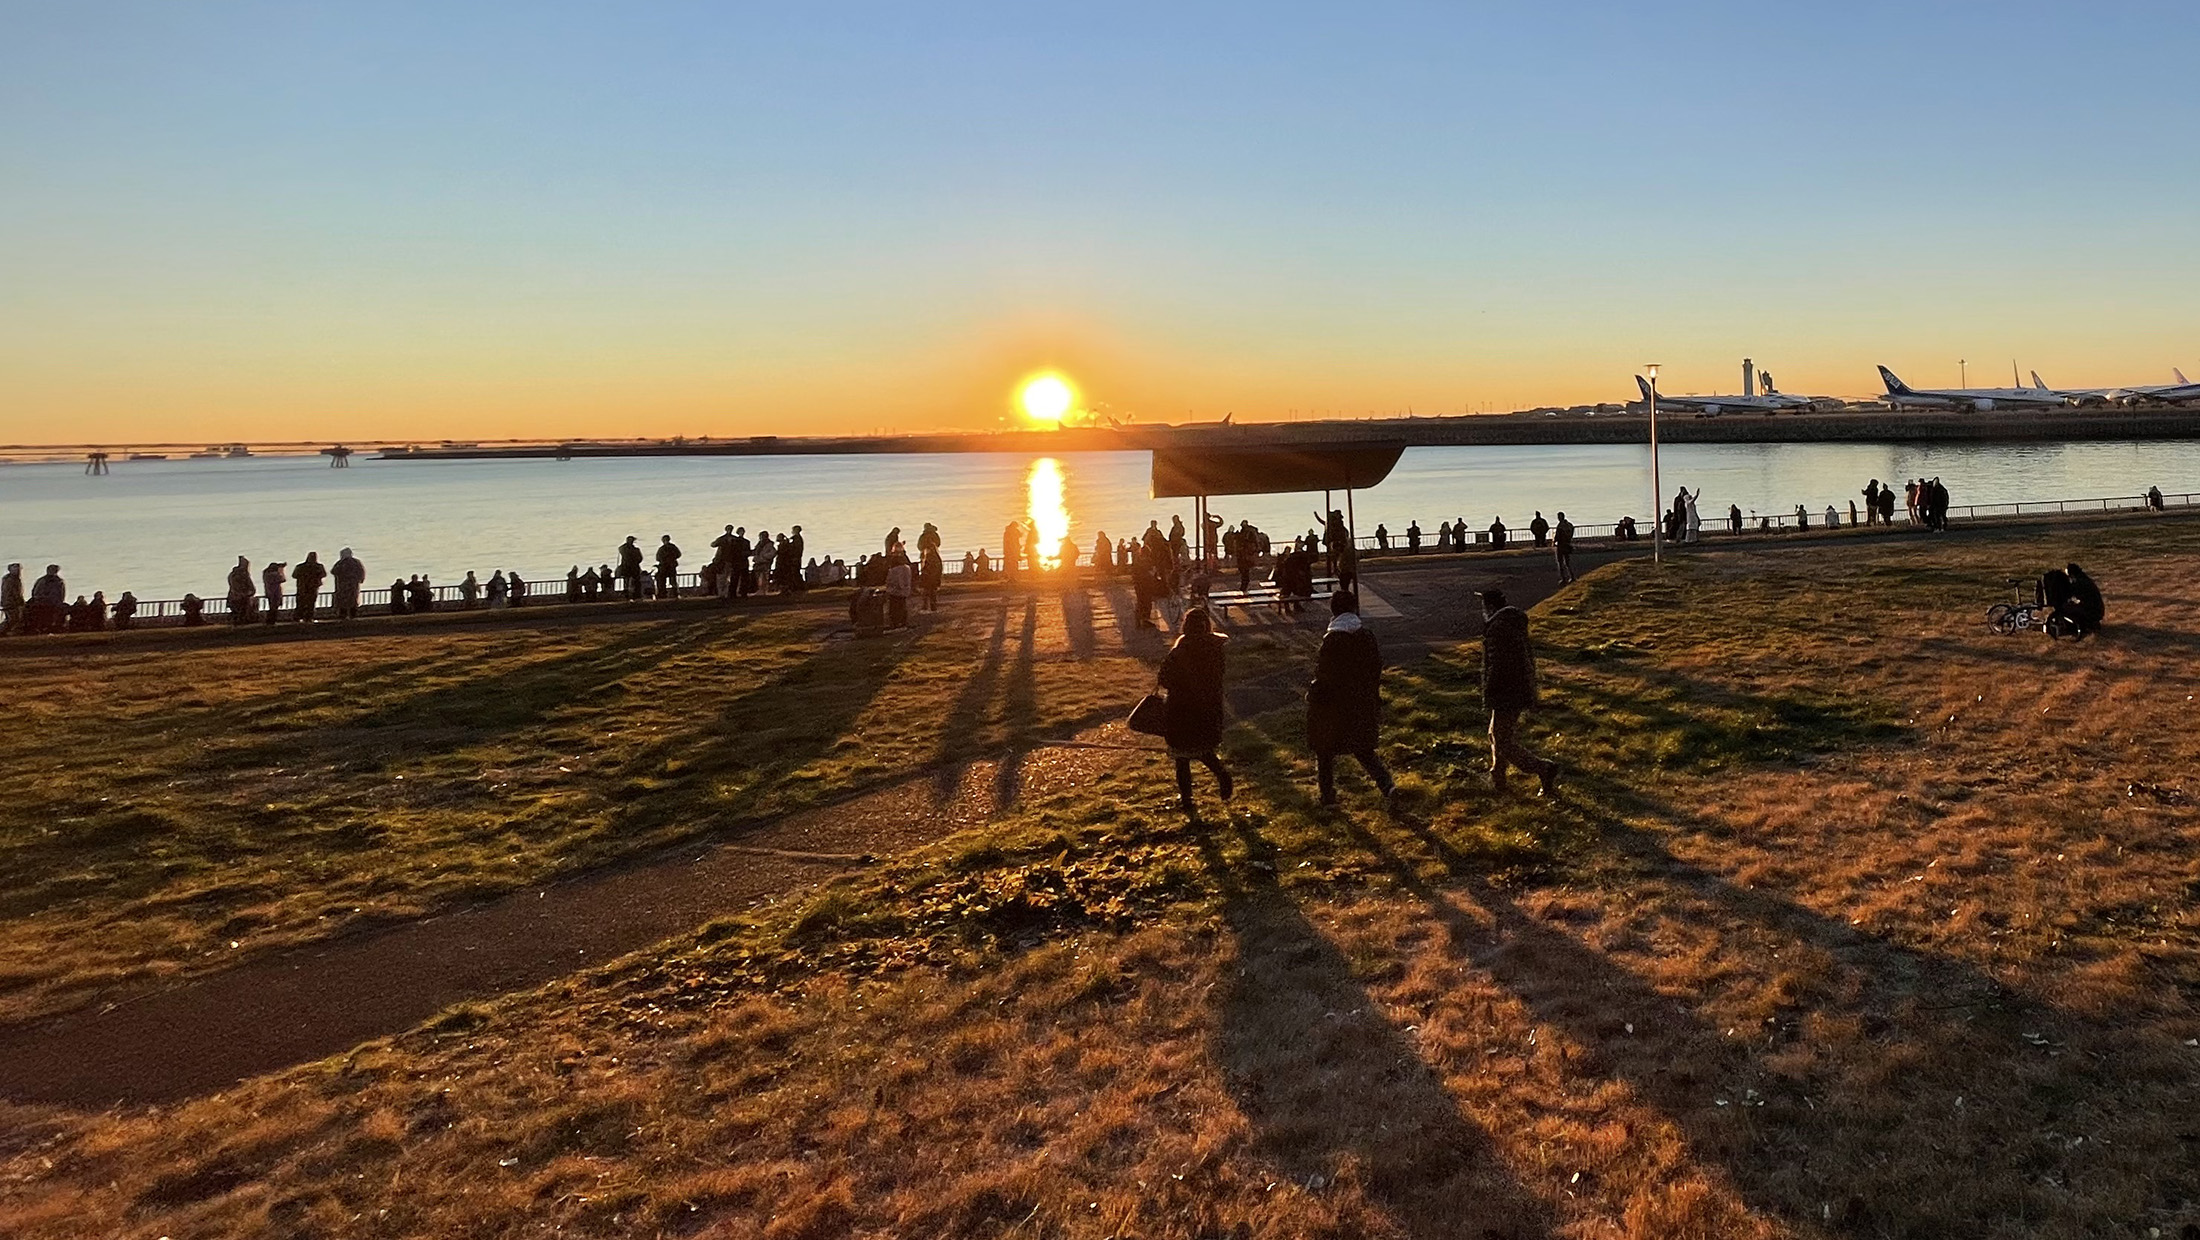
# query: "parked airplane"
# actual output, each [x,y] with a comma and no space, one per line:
[2182,392]
[1771,402]
[1982,400]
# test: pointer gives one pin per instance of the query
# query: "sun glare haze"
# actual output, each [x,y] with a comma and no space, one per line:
[1047,398]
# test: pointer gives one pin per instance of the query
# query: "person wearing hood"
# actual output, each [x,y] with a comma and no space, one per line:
[308,578]
[272,581]
[2084,608]
[1508,688]
[1191,676]
[1344,706]
[349,574]
[240,592]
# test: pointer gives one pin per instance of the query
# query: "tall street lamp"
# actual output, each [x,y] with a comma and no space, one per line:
[1657,491]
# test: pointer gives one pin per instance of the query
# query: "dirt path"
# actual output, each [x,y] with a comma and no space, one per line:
[205,1034]
[313,1002]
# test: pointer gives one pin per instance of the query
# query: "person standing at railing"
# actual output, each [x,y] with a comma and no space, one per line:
[49,598]
[420,595]
[1012,548]
[1248,554]
[1497,534]
[1443,537]
[124,611]
[194,611]
[311,573]
[469,591]
[1413,538]
[1539,529]
[572,585]
[1562,548]
[1103,556]
[519,587]
[1886,507]
[240,592]
[1210,540]
[2154,504]
[398,605]
[1871,500]
[12,601]
[272,580]
[349,573]
[1382,538]
[1734,518]
[668,568]
[630,567]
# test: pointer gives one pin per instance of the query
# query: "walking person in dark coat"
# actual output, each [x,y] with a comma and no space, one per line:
[1344,706]
[1562,548]
[1508,687]
[630,567]
[929,571]
[48,605]
[308,577]
[1191,675]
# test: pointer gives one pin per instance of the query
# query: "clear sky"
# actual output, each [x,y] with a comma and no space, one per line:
[321,221]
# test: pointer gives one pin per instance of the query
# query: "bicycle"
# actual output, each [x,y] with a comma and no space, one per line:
[2017,616]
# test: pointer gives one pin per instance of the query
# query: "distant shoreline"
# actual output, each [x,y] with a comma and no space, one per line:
[1485,430]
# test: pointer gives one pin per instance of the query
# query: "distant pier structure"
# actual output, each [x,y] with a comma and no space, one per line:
[339,457]
[95,463]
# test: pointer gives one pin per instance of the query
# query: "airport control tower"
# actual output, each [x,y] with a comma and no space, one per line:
[1749,377]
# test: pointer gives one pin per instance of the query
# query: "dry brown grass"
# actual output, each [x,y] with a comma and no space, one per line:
[172,809]
[1858,921]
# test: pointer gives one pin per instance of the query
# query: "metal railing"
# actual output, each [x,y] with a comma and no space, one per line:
[558,591]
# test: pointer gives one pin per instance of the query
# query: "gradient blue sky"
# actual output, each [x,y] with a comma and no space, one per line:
[320,221]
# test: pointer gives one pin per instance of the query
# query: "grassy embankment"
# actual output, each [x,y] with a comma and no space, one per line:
[167,810]
[1855,921]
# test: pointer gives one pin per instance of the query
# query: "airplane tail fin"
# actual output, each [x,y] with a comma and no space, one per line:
[1644,385]
[2182,381]
[1764,380]
[2037,383]
[1895,386]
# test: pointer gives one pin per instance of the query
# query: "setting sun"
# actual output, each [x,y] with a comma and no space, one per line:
[1047,398]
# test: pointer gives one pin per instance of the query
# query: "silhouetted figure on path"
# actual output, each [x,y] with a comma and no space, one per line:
[88,615]
[2154,499]
[1103,555]
[1509,689]
[573,584]
[1734,517]
[1562,549]
[469,591]
[420,595]
[1497,533]
[1344,707]
[272,580]
[13,601]
[240,592]
[499,590]
[630,567]
[398,604]
[1413,538]
[124,611]
[518,586]
[1539,529]
[1247,554]
[1146,582]
[1191,675]
[348,574]
[1295,579]
[194,611]
[308,578]
[1382,537]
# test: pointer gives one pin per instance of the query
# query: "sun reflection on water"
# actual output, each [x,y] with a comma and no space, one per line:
[1049,509]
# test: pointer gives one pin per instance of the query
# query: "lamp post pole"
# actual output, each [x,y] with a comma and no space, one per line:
[1657,491]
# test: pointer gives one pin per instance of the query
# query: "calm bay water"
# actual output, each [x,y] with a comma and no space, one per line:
[161,528]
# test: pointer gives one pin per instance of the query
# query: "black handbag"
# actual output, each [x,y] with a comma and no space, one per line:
[1151,715]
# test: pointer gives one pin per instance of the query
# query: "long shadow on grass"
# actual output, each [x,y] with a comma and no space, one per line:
[481,707]
[1874,1083]
[1333,1088]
